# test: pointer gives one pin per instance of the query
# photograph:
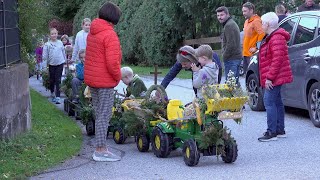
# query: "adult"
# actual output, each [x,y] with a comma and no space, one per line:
[275,70]
[102,73]
[308,5]
[231,47]
[178,66]
[281,12]
[253,33]
[81,39]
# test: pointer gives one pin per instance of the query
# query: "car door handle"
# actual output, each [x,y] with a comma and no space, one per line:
[307,57]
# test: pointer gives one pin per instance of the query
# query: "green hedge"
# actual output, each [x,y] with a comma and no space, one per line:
[151,31]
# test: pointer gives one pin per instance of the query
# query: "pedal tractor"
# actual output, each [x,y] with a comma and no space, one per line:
[142,113]
[191,133]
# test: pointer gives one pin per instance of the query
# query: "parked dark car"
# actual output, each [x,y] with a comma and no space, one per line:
[304,54]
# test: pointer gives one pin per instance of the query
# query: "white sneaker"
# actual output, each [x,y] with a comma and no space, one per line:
[105,156]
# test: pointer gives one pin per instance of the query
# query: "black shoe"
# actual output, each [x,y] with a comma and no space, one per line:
[268,136]
[281,134]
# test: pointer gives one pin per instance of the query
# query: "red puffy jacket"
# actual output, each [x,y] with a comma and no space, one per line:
[274,63]
[103,56]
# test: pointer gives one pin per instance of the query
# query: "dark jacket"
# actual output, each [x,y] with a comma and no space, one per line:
[231,48]
[274,63]
[281,17]
[136,87]
[304,7]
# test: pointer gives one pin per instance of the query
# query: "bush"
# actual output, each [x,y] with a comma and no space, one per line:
[152,31]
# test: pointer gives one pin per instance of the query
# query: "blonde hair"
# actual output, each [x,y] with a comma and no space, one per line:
[52,29]
[204,50]
[86,20]
[82,51]
[125,71]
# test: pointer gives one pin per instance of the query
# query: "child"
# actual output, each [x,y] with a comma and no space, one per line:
[65,40]
[81,39]
[78,80]
[136,88]
[102,73]
[54,55]
[39,51]
[209,72]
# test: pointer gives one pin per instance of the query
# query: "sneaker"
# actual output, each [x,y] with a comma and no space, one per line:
[281,134]
[58,100]
[268,136]
[54,100]
[105,156]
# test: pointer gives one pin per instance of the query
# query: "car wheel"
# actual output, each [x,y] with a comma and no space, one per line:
[314,104]
[241,71]
[255,94]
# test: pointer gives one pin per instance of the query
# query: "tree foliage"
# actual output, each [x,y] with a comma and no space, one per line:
[65,10]
[151,31]
[32,21]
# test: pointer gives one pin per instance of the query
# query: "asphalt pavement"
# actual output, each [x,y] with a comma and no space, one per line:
[294,157]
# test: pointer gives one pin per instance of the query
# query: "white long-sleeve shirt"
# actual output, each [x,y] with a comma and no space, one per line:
[54,53]
[80,43]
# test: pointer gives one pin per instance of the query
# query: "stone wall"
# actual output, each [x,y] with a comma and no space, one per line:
[15,115]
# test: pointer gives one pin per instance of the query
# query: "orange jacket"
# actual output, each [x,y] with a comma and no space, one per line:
[103,56]
[253,33]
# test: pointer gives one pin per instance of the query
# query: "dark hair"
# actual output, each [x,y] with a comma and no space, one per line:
[249,5]
[222,9]
[110,12]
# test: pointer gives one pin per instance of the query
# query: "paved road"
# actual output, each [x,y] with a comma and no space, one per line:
[294,157]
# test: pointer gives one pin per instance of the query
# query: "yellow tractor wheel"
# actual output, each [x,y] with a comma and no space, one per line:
[119,136]
[160,143]
[190,153]
[143,142]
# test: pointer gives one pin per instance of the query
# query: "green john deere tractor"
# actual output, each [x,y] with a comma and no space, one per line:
[201,131]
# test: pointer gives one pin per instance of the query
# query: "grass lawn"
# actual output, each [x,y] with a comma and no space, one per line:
[53,138]
[145,71]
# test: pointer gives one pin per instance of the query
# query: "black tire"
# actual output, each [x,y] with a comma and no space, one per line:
[71,109]
[160,143]
[65,105]
[143,142]
[255,93]
[231,152]
[191,155]
[313,104]
[119,136]
[90,128]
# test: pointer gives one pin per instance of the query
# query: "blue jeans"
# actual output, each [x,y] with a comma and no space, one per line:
[234,66]
[275,109]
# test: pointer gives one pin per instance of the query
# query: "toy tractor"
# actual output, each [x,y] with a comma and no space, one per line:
[203,132]
[135,117]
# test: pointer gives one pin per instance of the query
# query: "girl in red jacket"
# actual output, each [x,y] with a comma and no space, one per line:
[275,70]
[102,73]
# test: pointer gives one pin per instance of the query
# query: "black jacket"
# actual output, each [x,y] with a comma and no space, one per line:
[231,48]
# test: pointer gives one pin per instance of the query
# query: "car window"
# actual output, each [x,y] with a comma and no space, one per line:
[289,25]
[306,30]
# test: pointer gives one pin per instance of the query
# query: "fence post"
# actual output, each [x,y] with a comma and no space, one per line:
[4,34]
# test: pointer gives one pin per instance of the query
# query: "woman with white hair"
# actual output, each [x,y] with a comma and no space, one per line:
[275,70]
